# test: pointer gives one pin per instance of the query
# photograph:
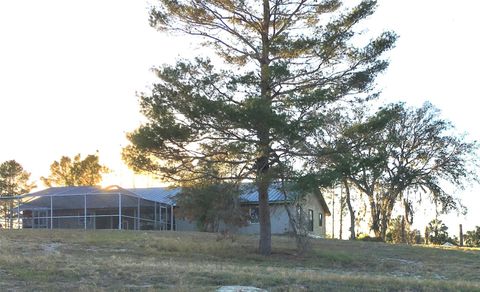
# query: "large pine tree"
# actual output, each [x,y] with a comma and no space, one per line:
[281,63]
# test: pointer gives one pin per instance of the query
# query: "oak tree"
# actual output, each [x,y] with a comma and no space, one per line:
[75,172]
[400,149]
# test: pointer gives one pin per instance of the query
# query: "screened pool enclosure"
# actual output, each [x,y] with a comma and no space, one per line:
[90,208]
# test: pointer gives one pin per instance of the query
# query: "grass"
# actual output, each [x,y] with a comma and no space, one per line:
[62,260]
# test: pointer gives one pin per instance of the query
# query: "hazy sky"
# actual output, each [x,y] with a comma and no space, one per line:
[69,71]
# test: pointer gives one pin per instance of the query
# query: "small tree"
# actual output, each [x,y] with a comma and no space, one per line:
[472,238]
[399,232]
[211,205]
[14,181]
[75,172]
[437,232]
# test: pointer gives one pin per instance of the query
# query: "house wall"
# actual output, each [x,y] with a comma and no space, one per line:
[278,219]
[280,222]
[312,203]
[185,225]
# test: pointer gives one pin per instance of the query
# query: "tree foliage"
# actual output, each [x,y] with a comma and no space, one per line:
[75,172]
[282,64]
[213,205]
[14,180]
[399,231]
[437,232]
[397,150]
[472,238]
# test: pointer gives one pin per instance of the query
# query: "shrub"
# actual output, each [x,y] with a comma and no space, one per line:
[366,237]
[472,238]
[399,232]
[437,232]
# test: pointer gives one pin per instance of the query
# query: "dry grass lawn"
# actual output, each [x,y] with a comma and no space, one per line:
[62,260]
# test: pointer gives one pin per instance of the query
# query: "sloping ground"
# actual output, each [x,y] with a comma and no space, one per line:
[62,260]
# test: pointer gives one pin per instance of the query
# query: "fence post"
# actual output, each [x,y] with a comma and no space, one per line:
[119,211]
[138,214]
[51,212]
[461,235]
[155,215]
[85,211]
[18,214]
[171,218]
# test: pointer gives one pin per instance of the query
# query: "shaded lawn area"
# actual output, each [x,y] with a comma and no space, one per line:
[59,260]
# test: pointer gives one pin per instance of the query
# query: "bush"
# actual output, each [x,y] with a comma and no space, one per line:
[212,204]
[437,232]
[366,237]
[399,232]
[472,238]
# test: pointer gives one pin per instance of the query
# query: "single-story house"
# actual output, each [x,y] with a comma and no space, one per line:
[93,207]
[312,205]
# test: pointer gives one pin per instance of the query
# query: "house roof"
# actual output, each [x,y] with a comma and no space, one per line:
[167,195]
[159,194]
[154,194]
[250,194]
[276,195]
[62,191]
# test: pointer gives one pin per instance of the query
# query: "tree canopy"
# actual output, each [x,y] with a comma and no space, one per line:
[472,238]
[396,150]
[14,180]
[281,64]
[75,172]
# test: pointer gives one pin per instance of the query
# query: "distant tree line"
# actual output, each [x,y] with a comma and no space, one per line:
[14,180]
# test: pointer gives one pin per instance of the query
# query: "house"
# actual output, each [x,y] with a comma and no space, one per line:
[93,207]
[312,205]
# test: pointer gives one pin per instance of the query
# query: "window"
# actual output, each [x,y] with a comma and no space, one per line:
[320,219]
[254,215]
[310,220]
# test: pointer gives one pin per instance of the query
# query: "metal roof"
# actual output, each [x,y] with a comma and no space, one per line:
[59,191]
[167,195]
[155,194]
[275,195]
[159,194]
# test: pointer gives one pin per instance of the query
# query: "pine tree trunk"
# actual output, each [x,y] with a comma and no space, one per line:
[263,133]
[265,244]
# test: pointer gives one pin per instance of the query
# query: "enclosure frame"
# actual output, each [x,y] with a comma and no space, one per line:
[22,212]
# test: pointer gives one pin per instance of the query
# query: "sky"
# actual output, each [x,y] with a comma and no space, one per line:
[70,72]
